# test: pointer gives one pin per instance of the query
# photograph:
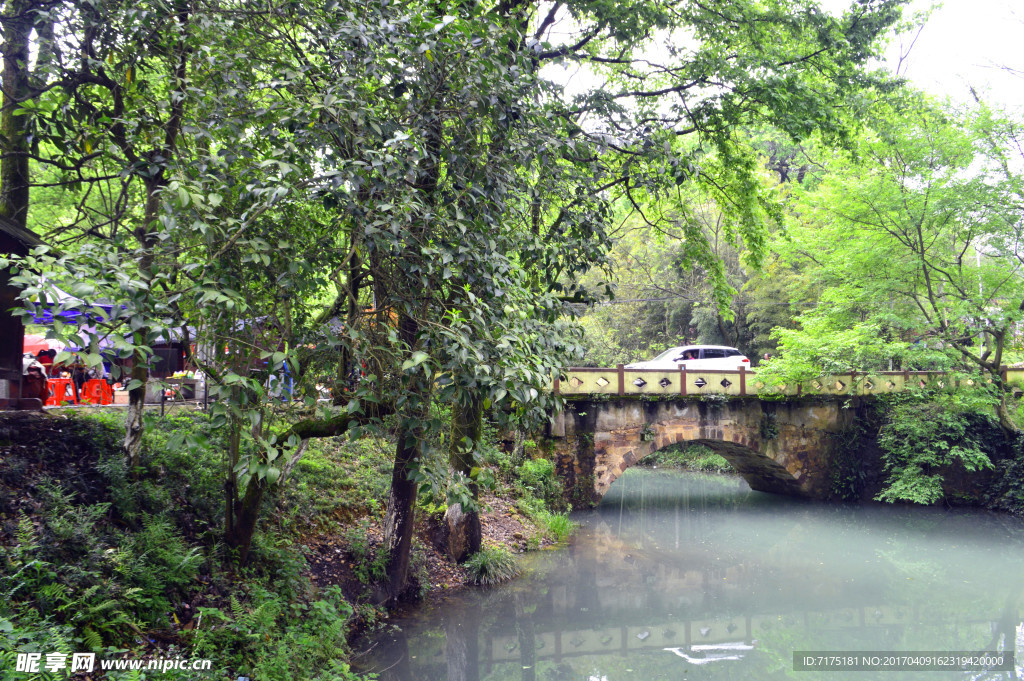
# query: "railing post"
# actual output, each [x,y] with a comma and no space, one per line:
[555,387]
[682,379]
[743,380]
[1003,371]
[906,379]
[622,378]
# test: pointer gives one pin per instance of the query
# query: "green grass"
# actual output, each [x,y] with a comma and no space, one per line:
[689,457]
[336,481]
[558,525]
[492,565]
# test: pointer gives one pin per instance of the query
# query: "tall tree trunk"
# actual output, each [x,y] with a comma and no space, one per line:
[463,525]
[246,515]
[136,404]
[14,175]
[398,524]
[146,231]
[140,371]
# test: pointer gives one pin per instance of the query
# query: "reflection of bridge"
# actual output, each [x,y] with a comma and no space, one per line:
[695,638]
[780,440]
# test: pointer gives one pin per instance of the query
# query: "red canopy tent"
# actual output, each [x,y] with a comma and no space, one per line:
[34,343]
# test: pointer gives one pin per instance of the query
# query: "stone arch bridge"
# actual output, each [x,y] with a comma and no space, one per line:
[781,440]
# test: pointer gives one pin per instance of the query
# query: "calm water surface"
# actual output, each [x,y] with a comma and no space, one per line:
[688,577]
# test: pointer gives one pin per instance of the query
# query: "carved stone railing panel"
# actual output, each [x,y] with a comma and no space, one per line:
[743,382]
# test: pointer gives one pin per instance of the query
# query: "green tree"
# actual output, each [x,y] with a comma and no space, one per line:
[914,242]
[414,170]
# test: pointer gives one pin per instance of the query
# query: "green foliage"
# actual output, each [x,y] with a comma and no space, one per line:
[492,565]
[101,564]
[336,480]
[506,463]
[537,477]
[557,525]
[768,428]
[267,637]
[405,158]
[928,433]
[44,636]
[368,560]
[689,457]
[666,295]
[539,492]
[71,570]
[849,473]
[908,244]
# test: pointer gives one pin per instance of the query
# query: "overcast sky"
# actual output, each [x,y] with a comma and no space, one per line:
[964,43]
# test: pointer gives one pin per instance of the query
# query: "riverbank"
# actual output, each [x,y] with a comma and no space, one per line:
[131,565]
[695,576]
[334,559]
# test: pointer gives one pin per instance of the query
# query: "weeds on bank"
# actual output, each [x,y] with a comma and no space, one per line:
[538,491]
[492,565]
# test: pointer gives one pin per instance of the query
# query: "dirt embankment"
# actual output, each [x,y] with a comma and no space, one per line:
[334,560]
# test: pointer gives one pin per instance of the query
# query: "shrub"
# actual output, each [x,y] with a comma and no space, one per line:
[927,432]
[492,565]
[537,476]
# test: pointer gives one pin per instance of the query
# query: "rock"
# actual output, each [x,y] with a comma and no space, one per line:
[462,533]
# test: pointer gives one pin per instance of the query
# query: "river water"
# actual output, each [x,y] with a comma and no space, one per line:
[684,576]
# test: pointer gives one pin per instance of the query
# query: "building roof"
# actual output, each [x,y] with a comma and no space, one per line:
[19,233]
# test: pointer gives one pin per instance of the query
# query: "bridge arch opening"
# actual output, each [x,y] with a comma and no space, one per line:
[760,471]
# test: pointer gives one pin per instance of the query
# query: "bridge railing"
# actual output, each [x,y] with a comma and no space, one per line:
[742,382]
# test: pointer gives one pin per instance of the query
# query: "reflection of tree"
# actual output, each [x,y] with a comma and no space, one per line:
[392,663]
[462,648]
[863,590]
[527,650]
[1004,640]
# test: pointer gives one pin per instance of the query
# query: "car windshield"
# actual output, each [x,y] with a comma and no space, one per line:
[665,355]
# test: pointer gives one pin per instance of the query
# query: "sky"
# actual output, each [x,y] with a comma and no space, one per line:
[964,43]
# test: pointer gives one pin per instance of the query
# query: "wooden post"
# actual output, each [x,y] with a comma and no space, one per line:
[1003,370]
[743,380]
[906,379]
[556,386]
[622,378]
[682,379]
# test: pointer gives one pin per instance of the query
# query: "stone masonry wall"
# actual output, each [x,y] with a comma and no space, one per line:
[781,447]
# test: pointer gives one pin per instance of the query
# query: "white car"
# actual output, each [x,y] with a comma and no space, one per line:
[696,357]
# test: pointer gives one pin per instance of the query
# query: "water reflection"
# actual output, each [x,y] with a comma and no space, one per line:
[697,577]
